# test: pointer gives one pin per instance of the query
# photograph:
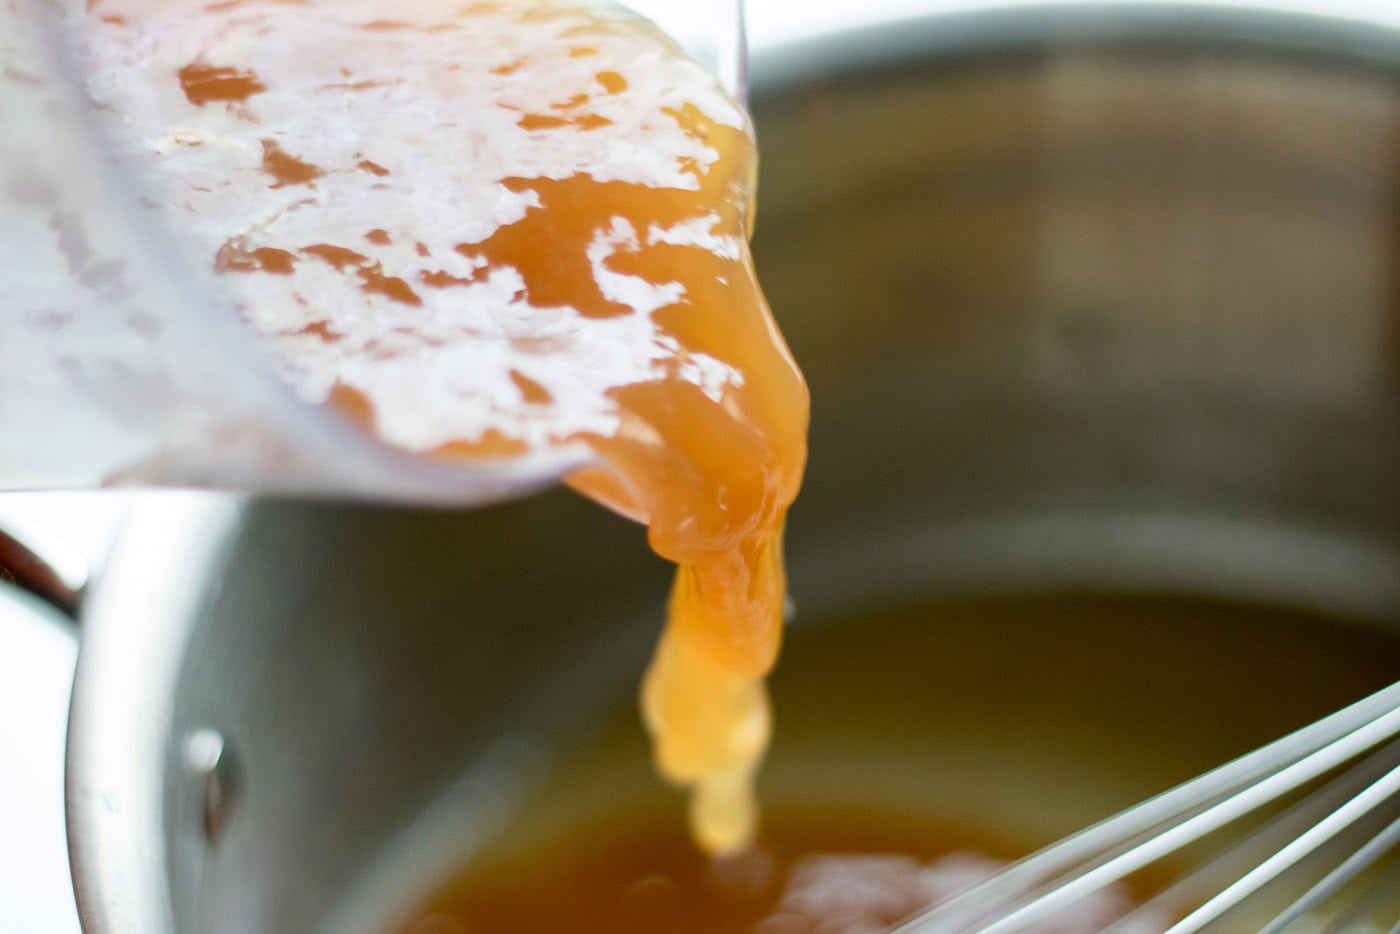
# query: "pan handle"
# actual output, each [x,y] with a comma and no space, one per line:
[35,558]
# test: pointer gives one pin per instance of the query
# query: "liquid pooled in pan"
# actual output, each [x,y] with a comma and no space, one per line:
[495,230]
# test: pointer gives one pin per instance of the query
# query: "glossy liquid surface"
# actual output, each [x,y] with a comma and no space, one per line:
[981,728]
[808,872]
[492,230]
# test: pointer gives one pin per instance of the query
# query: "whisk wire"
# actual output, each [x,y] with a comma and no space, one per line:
[1248,851]
[1335,880]
[1306,843]
[1062,874]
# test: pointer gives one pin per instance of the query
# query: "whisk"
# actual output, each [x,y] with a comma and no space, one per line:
[1300,835]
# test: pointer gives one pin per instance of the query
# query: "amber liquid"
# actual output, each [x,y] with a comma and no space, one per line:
[808,871]
[985,728]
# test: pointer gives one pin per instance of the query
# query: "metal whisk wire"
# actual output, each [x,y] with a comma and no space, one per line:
[1034,889]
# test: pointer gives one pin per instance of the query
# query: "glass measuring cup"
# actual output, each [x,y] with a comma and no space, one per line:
[121,359]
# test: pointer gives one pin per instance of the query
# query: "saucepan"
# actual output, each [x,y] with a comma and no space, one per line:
[1098,304]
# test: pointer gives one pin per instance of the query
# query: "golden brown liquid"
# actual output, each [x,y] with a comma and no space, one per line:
[912,736]
[642,874]
[492,229]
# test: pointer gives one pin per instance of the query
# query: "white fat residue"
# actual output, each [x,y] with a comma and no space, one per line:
[698,232]
[714,377]
[634,292]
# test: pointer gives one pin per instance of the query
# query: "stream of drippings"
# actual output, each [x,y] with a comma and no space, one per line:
[493,229]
